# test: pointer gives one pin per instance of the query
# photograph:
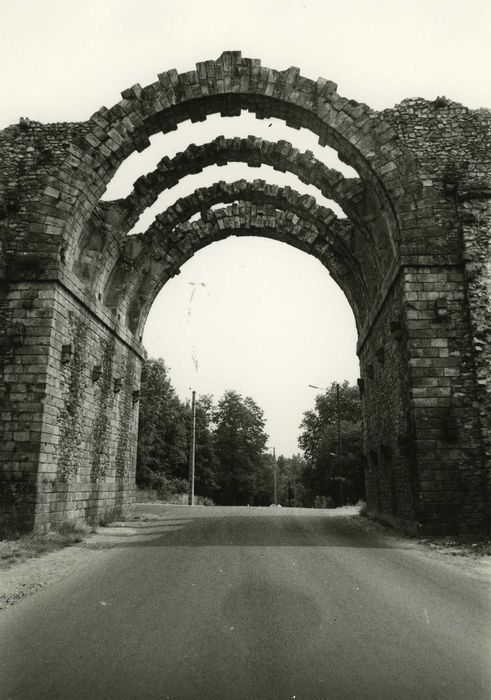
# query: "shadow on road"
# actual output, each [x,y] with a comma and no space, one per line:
[245,530]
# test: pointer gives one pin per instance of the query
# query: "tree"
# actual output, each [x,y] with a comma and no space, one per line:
[291,489]
[333,473]
[231,463]
[207,464]
[162,453]
[325,413]
[239,442]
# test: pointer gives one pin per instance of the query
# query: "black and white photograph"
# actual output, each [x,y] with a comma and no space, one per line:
[245,350]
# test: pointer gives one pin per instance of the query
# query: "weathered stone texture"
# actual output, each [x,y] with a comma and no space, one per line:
[412,258]
[62,421]
[388,430]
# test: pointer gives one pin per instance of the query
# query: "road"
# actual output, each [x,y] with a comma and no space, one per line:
[257,603]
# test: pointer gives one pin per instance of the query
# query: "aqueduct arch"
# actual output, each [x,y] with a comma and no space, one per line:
[315,229]
[245,218]
[412,258]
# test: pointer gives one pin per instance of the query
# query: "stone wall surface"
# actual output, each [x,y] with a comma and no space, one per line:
[448,303]
[388,429]
[412,257]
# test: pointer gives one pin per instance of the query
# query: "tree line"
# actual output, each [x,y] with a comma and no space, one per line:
[233,465]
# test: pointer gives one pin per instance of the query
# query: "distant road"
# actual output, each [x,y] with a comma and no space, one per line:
[256,604]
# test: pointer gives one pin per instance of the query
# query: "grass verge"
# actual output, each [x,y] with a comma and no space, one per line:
[20,549]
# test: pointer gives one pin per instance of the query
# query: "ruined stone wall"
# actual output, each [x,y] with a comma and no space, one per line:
[448,436]
[445,250]
[28,152]
[68,432]
[68,368]
[31,156]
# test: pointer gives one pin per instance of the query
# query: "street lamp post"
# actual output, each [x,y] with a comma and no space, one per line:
[192,450]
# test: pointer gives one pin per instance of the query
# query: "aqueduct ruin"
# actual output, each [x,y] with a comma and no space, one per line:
[411,256]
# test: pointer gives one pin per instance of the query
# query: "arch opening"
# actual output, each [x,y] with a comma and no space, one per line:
[260,325]
[157,257]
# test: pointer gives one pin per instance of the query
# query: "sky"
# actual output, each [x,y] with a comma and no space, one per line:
[247,314]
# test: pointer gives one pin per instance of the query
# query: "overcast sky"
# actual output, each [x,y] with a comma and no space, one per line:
[249,314]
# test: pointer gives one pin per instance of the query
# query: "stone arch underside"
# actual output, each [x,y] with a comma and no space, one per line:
[316,230]
[118,217]
[157,260]
[70,362]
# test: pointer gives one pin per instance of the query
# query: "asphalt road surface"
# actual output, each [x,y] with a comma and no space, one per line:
[256,603]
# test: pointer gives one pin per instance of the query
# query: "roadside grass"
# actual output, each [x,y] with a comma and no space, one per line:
[146,496]
[19,549]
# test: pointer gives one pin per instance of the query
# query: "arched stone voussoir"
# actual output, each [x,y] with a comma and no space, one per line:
[323,225]
[254,151]
[117,217]
[159,260]
[361,136]
[325,221]
[225,192]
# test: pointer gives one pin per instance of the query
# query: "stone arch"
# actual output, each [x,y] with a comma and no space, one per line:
[158,260]
[227,86]
[166,229]
[113,220]
[253,151]
[323,219]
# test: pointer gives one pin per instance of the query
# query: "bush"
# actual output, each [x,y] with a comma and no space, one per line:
[205,501]
[145,495]
[323,502]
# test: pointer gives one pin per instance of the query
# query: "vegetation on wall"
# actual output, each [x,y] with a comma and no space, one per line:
[70,418]
[100,444]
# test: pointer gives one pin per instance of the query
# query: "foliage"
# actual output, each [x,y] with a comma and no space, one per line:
[23,547]
[162,453]
[325,413]
[232,466]
[206,474]
[333,470]
[290,487]
[239,440]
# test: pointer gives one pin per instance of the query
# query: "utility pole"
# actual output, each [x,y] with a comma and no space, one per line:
[340,468]
[275,491]
[192,450]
